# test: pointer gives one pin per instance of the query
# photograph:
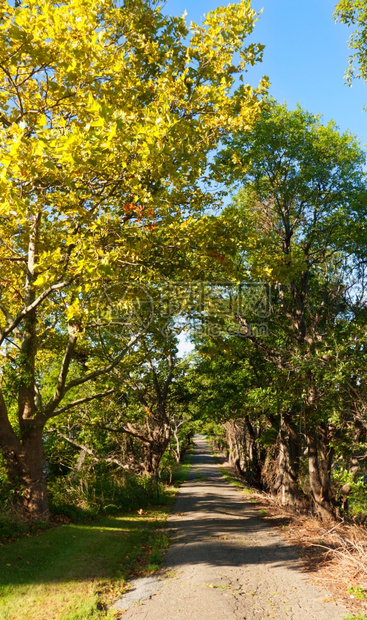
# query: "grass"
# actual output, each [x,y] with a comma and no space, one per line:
[72,572]
[232,480]
[181,471]
[225,473]
[263,512]
[75,571]
[357,592]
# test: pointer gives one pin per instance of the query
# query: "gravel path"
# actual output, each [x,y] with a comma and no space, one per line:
[225,562]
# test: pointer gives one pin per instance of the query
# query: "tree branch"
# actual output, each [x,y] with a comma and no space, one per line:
[90,452]
[29,309]
[169,378]
[102,371]
[80,401]
[64,369]
[155,379]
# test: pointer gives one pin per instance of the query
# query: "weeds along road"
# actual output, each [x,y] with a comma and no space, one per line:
[225,562]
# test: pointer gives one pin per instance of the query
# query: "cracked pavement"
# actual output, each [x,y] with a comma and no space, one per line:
[224,562]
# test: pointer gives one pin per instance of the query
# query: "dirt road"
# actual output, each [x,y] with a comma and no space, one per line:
[225,562]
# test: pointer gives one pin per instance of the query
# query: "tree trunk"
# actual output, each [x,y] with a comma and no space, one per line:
[177,451]
[25,468]
[254,464]
[319,464]
[355,460]
[347,488]
[35,493]
[286,482]
[235,441]
[156,445]
[79,464]
[26,462]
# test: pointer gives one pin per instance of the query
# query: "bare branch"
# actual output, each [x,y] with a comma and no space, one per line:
[102,371]
[90,452]
[132,430]
[64,369]
[30,308]
[80,401]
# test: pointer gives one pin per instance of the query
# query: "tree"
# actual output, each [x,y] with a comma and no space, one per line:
[226,382]
[147,407]
[144,412]
[298,215]
[107,121]
[354,14]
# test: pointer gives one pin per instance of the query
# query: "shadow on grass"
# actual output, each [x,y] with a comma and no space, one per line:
[117,546]
[112,547]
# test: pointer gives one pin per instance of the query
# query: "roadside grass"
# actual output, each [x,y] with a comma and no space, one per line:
[72,572]
[231,479]
[240,484]
[181,470]
[76,571]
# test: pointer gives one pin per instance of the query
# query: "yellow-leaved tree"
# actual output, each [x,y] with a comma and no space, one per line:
[108,113]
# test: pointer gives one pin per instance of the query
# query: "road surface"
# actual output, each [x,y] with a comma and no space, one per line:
[225,562]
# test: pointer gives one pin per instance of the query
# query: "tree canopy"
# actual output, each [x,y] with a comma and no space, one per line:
[108,115]
[121,128]
[354,14]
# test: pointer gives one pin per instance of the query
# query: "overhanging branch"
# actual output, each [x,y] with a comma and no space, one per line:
[80,401]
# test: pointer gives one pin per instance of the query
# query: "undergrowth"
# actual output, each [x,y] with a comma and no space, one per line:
[96,495]
[76,571]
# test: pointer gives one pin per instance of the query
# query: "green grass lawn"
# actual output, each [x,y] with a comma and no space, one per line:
[72,572]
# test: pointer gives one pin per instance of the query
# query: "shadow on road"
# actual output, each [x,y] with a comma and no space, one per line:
[212,523]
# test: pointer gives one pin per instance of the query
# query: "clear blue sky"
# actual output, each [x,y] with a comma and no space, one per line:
[305,57]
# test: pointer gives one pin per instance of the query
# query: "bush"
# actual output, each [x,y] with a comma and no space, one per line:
[357,498]
[11,526]
[90,496]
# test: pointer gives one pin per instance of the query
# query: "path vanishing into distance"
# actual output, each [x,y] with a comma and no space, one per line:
[225,562]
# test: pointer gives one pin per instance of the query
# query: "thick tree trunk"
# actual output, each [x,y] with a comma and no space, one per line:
[253,455]
[25,462]
[234,439]
[319,465]
[35,492]
[286,482]
[156,445]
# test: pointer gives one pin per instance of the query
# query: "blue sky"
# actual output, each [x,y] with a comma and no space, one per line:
[305,57]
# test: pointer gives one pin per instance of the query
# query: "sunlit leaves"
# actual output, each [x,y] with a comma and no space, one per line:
[104,106]
[354,14]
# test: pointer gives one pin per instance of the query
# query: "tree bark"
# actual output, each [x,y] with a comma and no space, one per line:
[25,461]
[254,463]
[286,482]
[35,491]
[24,456]
[354,465]
[157,445]
[319,465]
